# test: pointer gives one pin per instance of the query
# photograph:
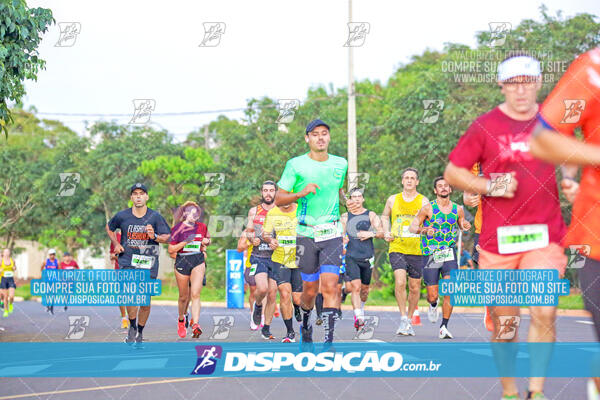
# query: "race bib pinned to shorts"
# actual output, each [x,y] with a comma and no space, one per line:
[443,255]
[521,238]
[8,274]
[140,261]
[252,269]
[329,230]
[287,241]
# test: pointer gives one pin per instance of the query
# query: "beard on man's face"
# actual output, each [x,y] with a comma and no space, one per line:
[269,200]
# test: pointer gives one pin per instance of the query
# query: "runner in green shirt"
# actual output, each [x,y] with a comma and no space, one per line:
[315,181]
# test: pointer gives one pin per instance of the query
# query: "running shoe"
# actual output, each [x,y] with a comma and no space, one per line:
[289,338]
[403,327]
[65,309]
[196,331]
[511,397]
[276,313]
[181,329]
[266,334]
[187,320]
[124,323]
[5,314]
[489,324]
[592,390]
[138,340]
[432,314]
[338,314]
[10,308]
[51,309]
[537,396]
[131,335]
[344,294]
[307,334]
[256,314]
[297,313]
[358,323]
[253,326]
[445,333]
[411,331]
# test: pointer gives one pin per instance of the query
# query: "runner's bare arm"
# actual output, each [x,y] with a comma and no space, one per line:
[424,213]
[164,238]
[462,221]
[385,217]
[556,148]
[250,233]
[471,199]
[174,248]
[243,243]
[463,179]
[344,221]
[568,183]
[283,197]
[113,238]
[376,223]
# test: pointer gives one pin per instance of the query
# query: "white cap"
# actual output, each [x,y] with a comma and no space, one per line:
[51,251]
[518,66]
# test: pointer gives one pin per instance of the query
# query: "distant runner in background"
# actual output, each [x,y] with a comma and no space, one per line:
[50,263]
[7,282]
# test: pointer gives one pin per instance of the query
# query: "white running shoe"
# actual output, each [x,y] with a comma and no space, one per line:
[253,326]
[403,328]
[433,314]
[445,333]
[411,331]
[592,390]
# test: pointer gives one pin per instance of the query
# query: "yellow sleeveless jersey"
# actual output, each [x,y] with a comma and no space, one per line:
[6,268]
[284,226]
[403,213]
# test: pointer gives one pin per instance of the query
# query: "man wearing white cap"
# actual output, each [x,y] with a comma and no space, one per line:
[519,193]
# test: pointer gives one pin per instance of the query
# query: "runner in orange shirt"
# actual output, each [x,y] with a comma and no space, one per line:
[575,103]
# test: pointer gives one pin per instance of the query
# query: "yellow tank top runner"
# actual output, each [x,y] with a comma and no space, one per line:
[403,213]
[6,270]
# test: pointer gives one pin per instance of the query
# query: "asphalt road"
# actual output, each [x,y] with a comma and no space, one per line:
[30,322]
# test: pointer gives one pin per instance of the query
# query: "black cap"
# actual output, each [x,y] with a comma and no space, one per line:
[139,186]
[314,123]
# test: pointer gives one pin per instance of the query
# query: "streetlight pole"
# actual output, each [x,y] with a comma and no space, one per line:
[352,152]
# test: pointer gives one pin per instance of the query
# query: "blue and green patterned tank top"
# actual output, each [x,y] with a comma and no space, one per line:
[446,226]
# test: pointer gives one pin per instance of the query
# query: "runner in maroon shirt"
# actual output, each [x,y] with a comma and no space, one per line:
[68,262]
[189,237]
[519,195]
